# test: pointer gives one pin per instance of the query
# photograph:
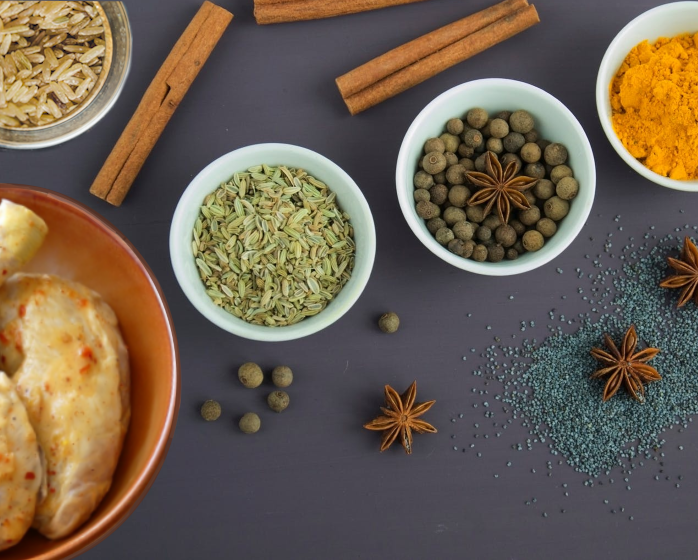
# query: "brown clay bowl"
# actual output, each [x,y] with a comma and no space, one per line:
[84,247]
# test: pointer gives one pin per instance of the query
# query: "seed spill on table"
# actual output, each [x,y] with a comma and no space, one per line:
[272,246]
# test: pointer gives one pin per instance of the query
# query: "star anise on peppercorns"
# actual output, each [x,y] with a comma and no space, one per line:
[625,366]
[500,187]
[400,418]
[687,273]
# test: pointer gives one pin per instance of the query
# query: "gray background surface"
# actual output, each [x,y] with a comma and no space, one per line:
[312,484]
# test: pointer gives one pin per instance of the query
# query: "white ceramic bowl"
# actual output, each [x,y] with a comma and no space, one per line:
[555,123]
[668,20]
[349,198]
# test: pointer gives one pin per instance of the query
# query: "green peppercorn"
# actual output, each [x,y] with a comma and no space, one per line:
[495,253]
[555,154]
[512,254]
[468,163]
[532,135]
[465,151]
[453,215]
[456,246]
[282,376]
[546,227]
[533,240]
[434,145]
[472,138]
[428,210]
[567,188]
[519,228]
[477,117]
[421,194]
[435,224]
[455,126]
[483,233]
[556,208]
[434,162]
[513,142]
[475,214]
[458,195]
[422,180]
[438,193]
[479,253]
[494,145]
[534,170]
[278,401]
[250,423]
[544,189]
[492,221]
[251,375]
[444,235]
[211,411]
[499,128]
[389,322]
[530,152]
[505,235]
[455,174]
[521,121]
[464,230]
[451,141]
[560,172]
[506,159]
[529,217]
[451,159]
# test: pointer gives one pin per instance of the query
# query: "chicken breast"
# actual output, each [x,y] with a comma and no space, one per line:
[61,344]
[21,234]
[20,467]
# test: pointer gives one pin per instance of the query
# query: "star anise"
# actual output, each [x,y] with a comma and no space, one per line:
[500,188]
[400,417]
[625,366]
[687,277]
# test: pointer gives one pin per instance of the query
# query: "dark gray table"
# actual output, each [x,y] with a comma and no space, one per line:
[312,484]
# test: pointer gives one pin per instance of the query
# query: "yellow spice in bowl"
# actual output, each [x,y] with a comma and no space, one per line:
[654,101]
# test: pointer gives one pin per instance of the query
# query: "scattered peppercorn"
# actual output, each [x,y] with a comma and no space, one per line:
[250,423]
[211,411]
[282,376]
[278,401]
[389,322]
[250,375]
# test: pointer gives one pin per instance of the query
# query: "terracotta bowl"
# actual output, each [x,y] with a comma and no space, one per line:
[82,246]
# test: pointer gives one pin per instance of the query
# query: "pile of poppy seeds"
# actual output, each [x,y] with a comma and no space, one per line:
[547,386]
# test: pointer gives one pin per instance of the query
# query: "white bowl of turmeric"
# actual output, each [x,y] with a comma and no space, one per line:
[645,95]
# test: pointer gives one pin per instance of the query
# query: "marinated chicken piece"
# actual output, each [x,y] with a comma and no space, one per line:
[20,467]
[61,344]
[21,234]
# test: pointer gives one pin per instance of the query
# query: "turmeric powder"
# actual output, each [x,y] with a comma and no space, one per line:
[654,100]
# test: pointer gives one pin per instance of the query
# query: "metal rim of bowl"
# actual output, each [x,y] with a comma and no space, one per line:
[101,99]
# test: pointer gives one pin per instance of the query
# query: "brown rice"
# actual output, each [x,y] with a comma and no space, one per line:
[51,56]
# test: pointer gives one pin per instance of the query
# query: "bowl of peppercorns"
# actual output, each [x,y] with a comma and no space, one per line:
[496,177]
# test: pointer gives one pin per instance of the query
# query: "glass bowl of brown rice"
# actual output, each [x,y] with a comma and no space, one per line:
[62,67]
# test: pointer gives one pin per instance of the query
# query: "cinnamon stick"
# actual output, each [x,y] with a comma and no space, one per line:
[409,53]
[428,66]
[281,11]
[159,103]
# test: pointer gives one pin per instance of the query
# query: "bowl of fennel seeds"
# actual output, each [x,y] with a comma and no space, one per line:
[272,242]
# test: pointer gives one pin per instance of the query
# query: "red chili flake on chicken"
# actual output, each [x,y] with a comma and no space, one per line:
[22,310]
[3,337]
[86,352]
[29,476]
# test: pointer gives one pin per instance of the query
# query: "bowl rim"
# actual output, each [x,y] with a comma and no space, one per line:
[603,101]
[406,201]
[79,543]
[180,254]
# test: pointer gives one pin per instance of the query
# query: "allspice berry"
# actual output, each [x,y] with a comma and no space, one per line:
[438,194]
[250,423]
[434,145]
[479,253]
[458,195]
[499,128]
[530,216]
[251,375]
[495,253]
[494,145]
[544,189]
[567,188]
[506,159]
[519,228]
[389,322]
[555,154]
[505,235]
[513,142]
[421,195]
[521,121]
[475,214]
[211,411]
[455,126]
[453,215]
[556,208]
[456,246]
[477,117]
[483,233]
[512,254]
[451,159]
[451,141]
[533,240]
[472,138]
[547,227]
[492,221]
[278,401]
[455,175]
[282,376]
[435,224]
[559,172]
[444,235]
[434,162]
[535,170]
[428,210]
[463,230]
[422,180]
[530,152]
